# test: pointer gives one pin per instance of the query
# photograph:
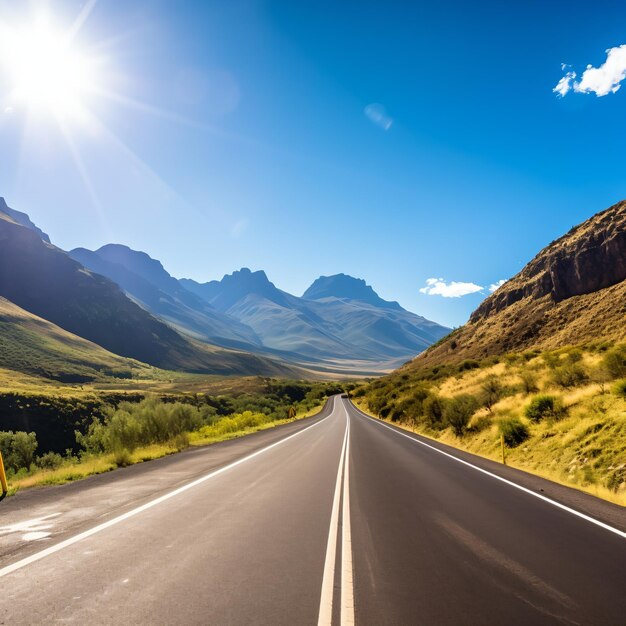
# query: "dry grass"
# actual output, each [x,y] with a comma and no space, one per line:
[586,449]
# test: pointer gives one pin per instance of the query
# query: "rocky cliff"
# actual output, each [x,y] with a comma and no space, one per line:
[572,292]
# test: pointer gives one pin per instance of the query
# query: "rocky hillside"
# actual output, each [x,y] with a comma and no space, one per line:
[572,292]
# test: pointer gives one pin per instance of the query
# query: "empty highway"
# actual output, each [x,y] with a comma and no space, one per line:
[335,519]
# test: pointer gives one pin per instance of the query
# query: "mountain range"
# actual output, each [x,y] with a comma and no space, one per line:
[126,303]
[45,281]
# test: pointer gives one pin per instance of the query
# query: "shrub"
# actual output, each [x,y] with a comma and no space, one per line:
[18,449]
[491,391]
[144,423]
[544,406]
[601,376]
[458,411]
[122,457]
[619,388]
[569,375]
[50,461]
[433,411]
[529,381]
[468,364]
[513,430]
[551,359]
[614,361]
[574,355]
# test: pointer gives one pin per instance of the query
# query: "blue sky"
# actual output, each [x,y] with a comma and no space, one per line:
[394,141]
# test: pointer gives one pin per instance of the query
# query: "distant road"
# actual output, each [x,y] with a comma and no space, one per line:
[336,519]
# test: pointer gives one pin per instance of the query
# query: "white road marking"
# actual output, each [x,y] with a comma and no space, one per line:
[144,507]
[558,505]
[328,581]
[347,581]
[33,529]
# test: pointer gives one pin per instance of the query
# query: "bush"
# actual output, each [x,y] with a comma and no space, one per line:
[18,449]
[433,412]
[458,411]
[468,364]
[491,391]
[139,424]
[529,381]
[122,457]
[50,461]
[619,388]
[569,375]
[513,430]
[544,407]
[614,361]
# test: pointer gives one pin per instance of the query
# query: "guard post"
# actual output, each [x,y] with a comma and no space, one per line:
[3,479]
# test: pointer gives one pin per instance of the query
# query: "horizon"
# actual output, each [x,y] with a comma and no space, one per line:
[220,137]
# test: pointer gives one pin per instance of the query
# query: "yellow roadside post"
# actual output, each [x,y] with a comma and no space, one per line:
[3,479]
[502,446]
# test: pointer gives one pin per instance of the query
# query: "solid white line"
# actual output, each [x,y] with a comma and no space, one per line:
[347,581]
[328,581]
[148,505]
[558,505]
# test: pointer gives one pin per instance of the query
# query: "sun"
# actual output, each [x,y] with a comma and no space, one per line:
[46,71]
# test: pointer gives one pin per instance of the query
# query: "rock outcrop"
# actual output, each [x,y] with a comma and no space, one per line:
[590,257]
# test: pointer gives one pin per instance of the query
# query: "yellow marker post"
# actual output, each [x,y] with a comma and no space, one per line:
[3,479]
[502,446]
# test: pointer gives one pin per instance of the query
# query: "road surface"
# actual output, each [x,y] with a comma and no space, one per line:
[337,519]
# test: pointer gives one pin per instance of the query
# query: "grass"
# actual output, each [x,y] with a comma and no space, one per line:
[583,445]
[98,464]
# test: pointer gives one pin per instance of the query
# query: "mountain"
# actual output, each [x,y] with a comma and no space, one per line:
[35,346]
[21,218]
[47,282]
[572,292]
[282,322]
[146,281]
[340,321]
[346,287]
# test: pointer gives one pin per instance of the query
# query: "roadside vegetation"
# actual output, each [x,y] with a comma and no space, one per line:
[562,413]
[122,430]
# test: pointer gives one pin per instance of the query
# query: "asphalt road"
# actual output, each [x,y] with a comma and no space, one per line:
[329,520]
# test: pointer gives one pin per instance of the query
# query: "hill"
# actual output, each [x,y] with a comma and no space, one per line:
[32,345]
[572,292]
[45,281]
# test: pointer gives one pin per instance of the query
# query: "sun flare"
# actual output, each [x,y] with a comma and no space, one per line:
[47,72]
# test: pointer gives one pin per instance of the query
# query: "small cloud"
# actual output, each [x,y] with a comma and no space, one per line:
[565,84]
[601,80]
[377,114]
[453,289]
[8,110]
[495,286]
[239,228]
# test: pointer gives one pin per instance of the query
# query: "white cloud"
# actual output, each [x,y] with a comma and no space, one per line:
[453,289]
[495,286]
[8,110]
[565,84]
[377,114]
[601,80]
